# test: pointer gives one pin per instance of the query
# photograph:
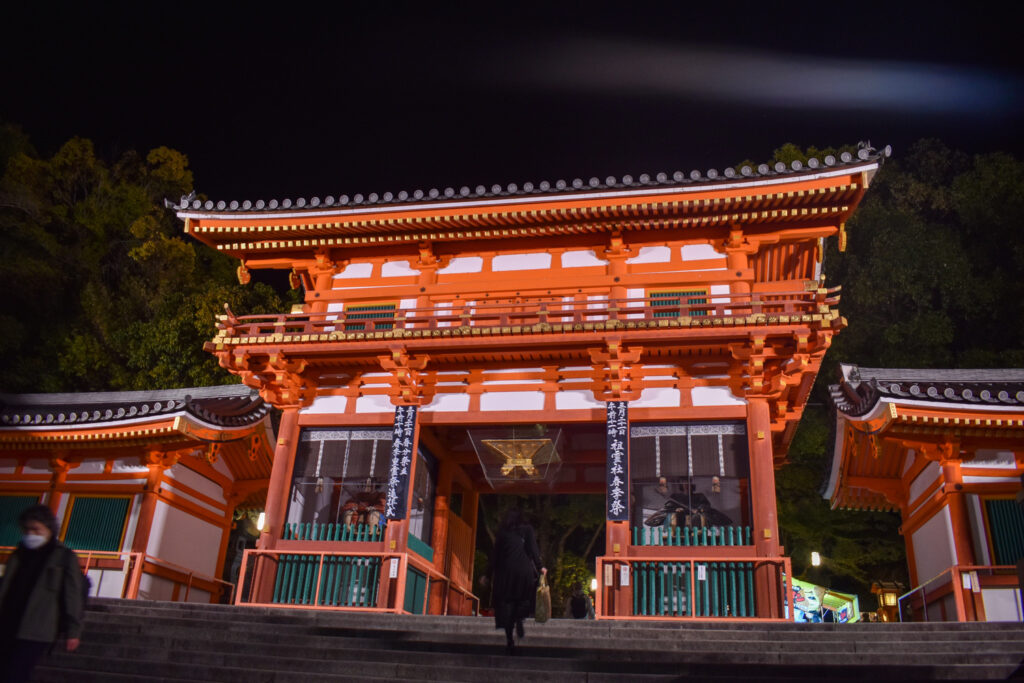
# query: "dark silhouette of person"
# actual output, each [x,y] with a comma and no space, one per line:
[41,598]
[579,606]
[515,567]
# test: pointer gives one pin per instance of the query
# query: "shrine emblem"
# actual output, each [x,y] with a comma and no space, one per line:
[518,453]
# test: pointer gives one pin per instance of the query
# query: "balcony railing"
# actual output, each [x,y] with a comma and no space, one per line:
[524,314]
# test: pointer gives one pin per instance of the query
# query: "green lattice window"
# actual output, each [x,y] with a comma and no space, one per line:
[383,316]
[1006,529]
[676,299]
[96,523]
[10,508]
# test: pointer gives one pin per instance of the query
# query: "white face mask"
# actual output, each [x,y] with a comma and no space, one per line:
[33,541]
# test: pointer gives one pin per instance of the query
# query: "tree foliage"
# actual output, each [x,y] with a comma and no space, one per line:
[933,277]
[102,292]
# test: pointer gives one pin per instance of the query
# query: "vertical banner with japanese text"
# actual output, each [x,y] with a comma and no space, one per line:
[402,440]
[617,497]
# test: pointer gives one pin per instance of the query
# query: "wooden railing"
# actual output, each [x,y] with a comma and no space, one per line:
[962,587]
[311,531]
[691,536]
[126,569]
[711,588]
[539,314]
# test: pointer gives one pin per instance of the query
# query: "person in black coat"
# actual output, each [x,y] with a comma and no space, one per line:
[41,597]
[515,566]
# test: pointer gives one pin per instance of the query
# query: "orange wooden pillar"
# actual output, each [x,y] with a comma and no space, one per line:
[277,501]
[150,495]
[60,466]
[961,523]
[439,535]
[767,585]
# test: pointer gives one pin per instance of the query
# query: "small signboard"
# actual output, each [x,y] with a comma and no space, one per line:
[402,438]
[617,495]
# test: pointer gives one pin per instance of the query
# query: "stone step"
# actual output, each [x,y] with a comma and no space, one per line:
[121,629]
[588,629]
[173,642]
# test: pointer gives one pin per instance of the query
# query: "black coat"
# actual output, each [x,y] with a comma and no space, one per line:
[515,566]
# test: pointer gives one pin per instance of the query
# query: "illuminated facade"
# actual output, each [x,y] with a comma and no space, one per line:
[653,339]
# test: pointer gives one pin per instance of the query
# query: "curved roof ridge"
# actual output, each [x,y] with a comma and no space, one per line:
[102,397]
[865,153]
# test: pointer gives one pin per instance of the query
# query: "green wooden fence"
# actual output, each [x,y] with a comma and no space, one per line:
[665,589]
[345,580]
[689,536]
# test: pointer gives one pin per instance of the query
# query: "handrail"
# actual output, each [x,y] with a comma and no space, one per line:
[486,312]
[137,566]
[950,574]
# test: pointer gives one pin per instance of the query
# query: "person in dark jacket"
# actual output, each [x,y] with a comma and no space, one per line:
[41,597]
[515,566]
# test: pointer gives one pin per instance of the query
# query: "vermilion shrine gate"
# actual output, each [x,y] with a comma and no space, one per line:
[653,339]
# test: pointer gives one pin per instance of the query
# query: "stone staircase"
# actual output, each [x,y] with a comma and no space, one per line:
[157,641]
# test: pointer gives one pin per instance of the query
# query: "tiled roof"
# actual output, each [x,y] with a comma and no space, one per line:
[862,388]
[865,153]
[228,406]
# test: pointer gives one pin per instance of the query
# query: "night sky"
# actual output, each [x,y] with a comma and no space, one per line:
[299,101]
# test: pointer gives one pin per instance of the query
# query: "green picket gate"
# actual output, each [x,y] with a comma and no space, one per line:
[720,589]
[345,580]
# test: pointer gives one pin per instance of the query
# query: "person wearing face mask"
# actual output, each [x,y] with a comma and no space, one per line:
[41,597]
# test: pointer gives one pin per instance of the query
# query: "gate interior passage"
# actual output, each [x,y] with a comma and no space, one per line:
[690,544]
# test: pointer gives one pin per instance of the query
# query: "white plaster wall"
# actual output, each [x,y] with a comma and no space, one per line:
[660,397]
[581,259]
[977,522]
[933,546]
[699,252]
[512,400]
[447,403]
[531,261]
[990,480]
[129,465]
[909,461]
[925,479]
[463,264]
[8,465]
[180,538]
[107,583]
[36,466]
[991,458]
[354,271]
[374,404]
[222,466]
[1002,604]
[134,509]
[397,269]
[197,482]
[327,404]
[652,255]
[89,467]
[574,399]
[715,396]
